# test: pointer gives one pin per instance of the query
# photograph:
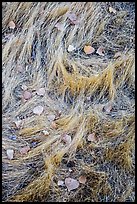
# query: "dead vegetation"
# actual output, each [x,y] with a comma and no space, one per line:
[86,93]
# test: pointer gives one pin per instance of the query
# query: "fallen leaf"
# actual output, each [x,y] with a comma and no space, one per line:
[88,49]
[100,51]
[27,95]
[82,179]
[12,24]
[71,183]
[24,150]
[60,183]
[91,137]
[24,87]
[108,108]
[71,48]
[18,123]
[19,69]
[117,54]
[51,117]
[112,10]
[38,110]
[45,132]
[59,26]
[41,92]
[73,18]
[10,153]
[53,125]
[67,139]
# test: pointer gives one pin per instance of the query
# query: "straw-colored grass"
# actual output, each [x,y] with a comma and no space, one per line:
[79,86]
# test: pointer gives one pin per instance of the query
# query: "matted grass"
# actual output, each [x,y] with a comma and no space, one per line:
[78,86]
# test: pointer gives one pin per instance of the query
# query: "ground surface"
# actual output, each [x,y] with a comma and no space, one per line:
[83,94]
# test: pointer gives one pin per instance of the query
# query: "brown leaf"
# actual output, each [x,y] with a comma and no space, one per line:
[41,92]
[71,183]
[91,137]
[38,110]
[24,150]
[112,10]
[88,49]
[27,95]
[100,51]
[12,24]
[82,179]
[10,153]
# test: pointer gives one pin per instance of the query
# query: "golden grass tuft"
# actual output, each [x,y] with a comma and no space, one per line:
[78,86]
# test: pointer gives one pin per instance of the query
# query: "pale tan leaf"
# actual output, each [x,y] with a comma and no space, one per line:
[38,110]
[41,92]
[71,183]
[18,123]
[51,117]
[12,25]
[88,49]
[60,183]
[66,138]
[71,48]
[100,51]
[10,153]
[112,10]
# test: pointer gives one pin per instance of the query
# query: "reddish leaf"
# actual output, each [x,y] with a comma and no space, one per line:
[73,18]
[38,110]
[82,179]
[27,95]
[71,183]
[24,150]
[88,49]
[91,137]
[67,139]
[53,125]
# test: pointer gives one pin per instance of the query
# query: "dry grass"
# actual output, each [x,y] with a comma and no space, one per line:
[79,86]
